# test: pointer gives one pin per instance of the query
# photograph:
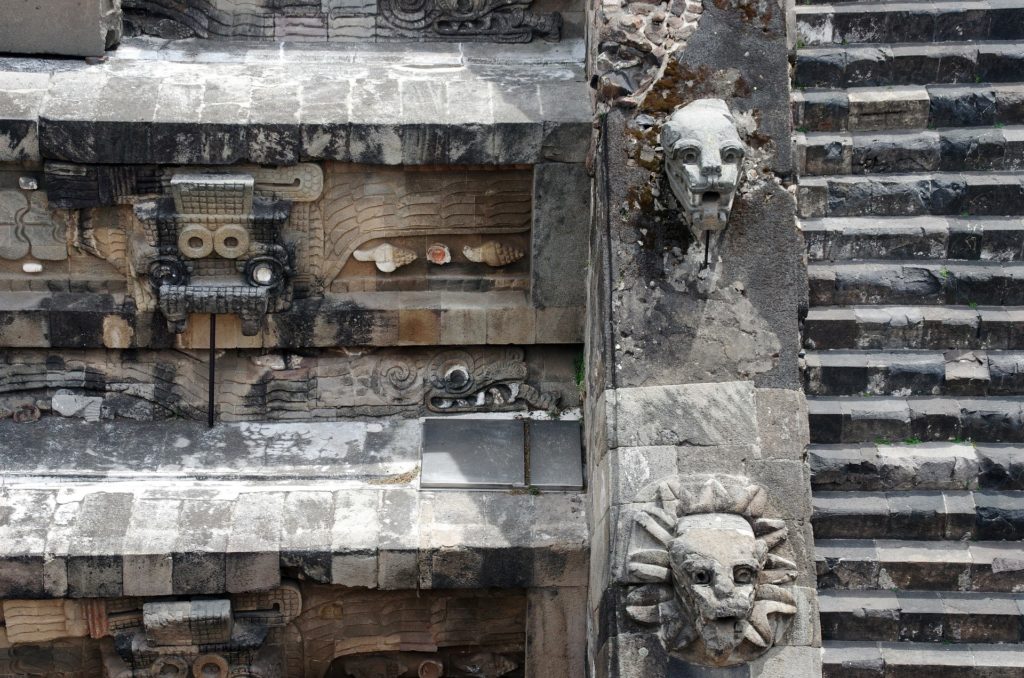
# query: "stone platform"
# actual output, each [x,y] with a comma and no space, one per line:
[133,509]
[195,101]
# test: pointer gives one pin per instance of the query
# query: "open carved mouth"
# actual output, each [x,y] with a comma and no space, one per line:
[492,397]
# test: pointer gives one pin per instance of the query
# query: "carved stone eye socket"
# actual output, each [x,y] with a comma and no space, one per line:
[702,577]
[731,154]
[689,155]
[743,575]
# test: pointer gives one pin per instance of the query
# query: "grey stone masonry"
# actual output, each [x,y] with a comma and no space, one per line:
[170,537]
[73,27]
[165,103]
[693,403]
[911,154]
[136,509]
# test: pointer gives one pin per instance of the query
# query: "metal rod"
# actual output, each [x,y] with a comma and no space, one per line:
[213,363]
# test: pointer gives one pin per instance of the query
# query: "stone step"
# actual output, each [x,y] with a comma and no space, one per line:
[984,515]
[909,64]
[836,373]
[927,237]
[947,150]
[846,659]
[874,22]
[914,327]
[865,564]
[886,419]
[922,616]
[987,283]
[937,193]
[881,467]
[863,109]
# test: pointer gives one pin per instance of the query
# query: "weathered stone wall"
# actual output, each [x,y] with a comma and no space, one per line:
[692,338]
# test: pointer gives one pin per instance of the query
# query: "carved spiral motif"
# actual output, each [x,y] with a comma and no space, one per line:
[394,377]
[409,14]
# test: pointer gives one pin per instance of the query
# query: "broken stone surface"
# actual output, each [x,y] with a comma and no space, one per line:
[70,404]
[85,28]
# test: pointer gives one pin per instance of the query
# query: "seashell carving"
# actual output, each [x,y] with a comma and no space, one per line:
[493,253]
[439,254]
[386,256]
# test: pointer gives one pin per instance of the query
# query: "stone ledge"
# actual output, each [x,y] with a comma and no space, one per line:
[164,538]
[193,104]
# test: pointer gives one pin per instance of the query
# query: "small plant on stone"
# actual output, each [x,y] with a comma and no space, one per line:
[999,125]
[533,490]
[913,440]
[944,273]
[972,304]
[882,441]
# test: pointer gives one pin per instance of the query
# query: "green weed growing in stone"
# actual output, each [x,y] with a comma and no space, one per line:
[972,304]
[944,273]
[882,441]
[913,440]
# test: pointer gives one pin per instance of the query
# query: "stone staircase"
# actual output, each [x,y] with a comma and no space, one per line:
[910,119]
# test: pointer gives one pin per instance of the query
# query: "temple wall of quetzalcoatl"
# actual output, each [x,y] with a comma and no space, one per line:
[392,237]
[702,557]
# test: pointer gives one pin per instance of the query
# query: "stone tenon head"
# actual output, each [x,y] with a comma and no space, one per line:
[703,156]
[718,594]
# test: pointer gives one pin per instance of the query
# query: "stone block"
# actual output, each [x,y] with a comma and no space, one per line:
[355,570]
[95,576]
[462,326]
[560,325]
[693,414]
[560,236]
[148,575]
[198,573]
[556,632]
[22,576]
[512,325]
[85,28]
[787,662]
[251,571]
[782,423]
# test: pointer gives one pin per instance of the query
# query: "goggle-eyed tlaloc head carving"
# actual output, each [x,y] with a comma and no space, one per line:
[703,156]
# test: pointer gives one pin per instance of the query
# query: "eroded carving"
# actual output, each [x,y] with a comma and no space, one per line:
[493,253]
[491,20]
[637,39]
[215,247]
[215,637]
[420,665]
[714,587]
[160,384]
[386,257]
[362,204]
[27,229]
[354,631]
[703,156]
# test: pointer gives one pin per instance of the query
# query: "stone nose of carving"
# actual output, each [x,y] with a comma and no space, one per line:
[711,165]
[724,586]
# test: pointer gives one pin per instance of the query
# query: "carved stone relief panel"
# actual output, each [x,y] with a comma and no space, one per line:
[158,384]
[710,579]
[214,247]
[352,633]
[198,638]
[506,21]
[411,228]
